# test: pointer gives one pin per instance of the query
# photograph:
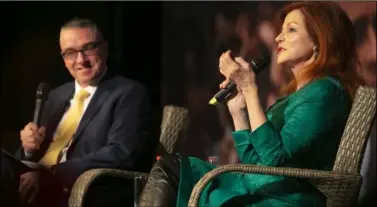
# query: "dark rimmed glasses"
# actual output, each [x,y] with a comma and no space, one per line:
[87,50]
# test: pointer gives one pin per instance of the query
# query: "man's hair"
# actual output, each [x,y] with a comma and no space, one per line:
[82,22]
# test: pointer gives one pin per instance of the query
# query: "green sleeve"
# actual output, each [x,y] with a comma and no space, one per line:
[315,117]
[308,124]
[244,148]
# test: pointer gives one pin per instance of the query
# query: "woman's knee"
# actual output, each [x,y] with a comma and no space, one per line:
[162,186]
[167,168]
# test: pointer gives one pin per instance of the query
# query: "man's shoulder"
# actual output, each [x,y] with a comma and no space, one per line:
[118,82]
[63,88]
[122,81]
[115,81]
[120,86]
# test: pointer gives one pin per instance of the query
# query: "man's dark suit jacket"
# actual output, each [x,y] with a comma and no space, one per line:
[113,132]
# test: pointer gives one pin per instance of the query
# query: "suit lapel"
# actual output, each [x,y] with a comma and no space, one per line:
[95,104]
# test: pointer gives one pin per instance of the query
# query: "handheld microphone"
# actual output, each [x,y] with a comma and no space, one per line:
[41,98]
[257,65]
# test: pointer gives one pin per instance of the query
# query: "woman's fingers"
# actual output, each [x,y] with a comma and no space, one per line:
[224,83]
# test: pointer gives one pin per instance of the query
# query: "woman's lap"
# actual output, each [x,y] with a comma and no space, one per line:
[219,190]
[242,189]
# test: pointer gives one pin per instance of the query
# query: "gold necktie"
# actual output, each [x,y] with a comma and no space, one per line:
[65,130]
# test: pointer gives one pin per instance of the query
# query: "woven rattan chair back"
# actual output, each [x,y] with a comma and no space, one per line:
[356,132]
[173,125]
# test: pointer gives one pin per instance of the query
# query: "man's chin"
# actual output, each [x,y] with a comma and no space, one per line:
[86,80]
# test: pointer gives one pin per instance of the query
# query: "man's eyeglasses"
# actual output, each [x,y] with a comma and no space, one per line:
[87,50]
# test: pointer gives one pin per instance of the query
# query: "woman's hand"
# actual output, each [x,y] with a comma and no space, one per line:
[237,70]
[236,102]
[237,108]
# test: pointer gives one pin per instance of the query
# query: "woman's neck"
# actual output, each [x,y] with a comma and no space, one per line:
[298,68]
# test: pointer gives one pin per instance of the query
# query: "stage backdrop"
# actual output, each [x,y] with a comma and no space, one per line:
[194,34]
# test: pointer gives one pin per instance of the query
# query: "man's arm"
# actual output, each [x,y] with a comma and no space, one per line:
[126,139]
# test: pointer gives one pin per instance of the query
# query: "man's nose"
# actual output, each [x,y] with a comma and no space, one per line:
[80,57]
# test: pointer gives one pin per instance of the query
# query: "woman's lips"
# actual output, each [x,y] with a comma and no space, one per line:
[280,49]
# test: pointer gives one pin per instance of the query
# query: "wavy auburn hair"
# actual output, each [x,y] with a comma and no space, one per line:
[332,32]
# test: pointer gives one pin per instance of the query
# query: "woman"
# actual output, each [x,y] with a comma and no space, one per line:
[302,130]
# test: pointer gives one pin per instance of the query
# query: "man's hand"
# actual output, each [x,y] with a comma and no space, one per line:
[29,186]
[31,137]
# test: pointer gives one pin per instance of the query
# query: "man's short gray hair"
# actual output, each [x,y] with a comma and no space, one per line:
[81,22]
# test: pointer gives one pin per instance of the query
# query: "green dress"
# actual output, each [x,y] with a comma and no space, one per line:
[303,131]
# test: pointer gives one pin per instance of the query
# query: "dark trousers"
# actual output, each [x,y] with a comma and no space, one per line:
[10,180]
[49,195]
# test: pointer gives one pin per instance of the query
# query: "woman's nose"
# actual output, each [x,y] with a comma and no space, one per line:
[279,38]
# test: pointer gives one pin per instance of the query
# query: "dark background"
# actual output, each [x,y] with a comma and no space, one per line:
[30,51]
[167,46]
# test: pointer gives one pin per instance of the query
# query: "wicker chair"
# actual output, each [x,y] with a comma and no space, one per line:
[174,120]
[341,186]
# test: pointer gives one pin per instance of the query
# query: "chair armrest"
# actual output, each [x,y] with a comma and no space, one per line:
[340,188]
[86,179]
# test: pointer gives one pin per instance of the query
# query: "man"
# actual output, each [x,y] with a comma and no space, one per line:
[98,121]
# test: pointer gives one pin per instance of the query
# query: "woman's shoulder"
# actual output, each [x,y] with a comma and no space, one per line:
[324,88]
[326,82]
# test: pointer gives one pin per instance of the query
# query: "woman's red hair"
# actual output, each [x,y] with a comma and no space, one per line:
[332,32]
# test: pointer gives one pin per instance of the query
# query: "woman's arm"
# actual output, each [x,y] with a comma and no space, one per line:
[257,116]
[241,120]
[254,116]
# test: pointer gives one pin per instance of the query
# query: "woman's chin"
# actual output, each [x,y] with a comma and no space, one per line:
[283,64]
[280,61]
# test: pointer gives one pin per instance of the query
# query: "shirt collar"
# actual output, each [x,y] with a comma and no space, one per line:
[90,89]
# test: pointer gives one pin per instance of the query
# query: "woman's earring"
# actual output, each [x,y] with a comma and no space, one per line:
[315,51]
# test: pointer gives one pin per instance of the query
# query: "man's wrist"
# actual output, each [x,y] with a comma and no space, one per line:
[28,154]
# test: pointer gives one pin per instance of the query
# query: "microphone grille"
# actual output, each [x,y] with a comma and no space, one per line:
[261,61]
[43,90]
